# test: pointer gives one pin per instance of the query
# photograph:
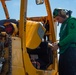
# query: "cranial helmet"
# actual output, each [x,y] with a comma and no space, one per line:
[61,12]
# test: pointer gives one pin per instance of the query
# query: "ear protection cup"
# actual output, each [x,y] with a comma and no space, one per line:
[62,13]
[59,12]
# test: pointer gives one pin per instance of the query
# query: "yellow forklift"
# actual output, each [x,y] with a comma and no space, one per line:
[24,48]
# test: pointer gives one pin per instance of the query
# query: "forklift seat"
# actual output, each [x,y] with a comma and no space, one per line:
[45,56]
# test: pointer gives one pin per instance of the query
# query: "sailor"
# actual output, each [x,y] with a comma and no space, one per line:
[67,41]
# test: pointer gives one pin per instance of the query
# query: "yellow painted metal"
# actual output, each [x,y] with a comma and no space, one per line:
[22,22]
[53,35]
[51,22]
[37,19]
[29,69]
[5,9]
[17,59]
[22,31]
[21,64]
[34,34]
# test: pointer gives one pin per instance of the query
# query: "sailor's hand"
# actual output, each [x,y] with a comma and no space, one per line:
[50,44]
[55,46]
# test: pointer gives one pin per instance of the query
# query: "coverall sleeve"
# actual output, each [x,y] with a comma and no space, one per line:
[71,37]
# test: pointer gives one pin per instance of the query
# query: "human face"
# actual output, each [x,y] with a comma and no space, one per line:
[59,19]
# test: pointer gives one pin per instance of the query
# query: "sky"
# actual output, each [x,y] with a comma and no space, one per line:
[36,10]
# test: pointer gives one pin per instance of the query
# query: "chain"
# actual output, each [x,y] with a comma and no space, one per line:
[5,41]
[10,55]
